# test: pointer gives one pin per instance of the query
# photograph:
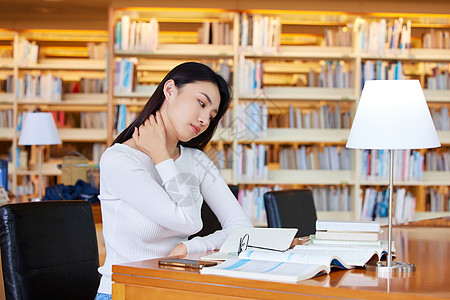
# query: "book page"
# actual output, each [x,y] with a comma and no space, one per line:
[266,270]
[346,257]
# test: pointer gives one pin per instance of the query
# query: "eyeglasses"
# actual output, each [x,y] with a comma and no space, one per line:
[244,245]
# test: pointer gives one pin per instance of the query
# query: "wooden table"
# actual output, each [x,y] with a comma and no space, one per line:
[428,248]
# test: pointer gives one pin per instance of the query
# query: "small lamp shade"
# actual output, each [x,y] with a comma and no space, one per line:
[392,114]
[39,129]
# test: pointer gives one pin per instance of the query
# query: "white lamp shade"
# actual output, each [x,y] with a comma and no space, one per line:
[39,129]
[392,114]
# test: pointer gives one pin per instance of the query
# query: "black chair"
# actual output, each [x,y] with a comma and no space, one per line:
[209,219]
[49,250]
[291,209]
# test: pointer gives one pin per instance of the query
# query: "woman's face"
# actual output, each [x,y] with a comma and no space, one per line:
[191,108]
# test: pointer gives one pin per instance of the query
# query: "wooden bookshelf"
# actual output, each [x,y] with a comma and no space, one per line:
[285,68]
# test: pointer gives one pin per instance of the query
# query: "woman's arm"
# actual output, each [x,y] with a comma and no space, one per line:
[176,206]
[222,202]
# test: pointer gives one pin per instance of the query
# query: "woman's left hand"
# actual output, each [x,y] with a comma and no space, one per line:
[179,250]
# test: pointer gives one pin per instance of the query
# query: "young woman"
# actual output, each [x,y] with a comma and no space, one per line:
[154,177]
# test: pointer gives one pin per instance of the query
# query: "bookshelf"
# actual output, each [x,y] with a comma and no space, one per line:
[297,67]
[59,71]
[304,45]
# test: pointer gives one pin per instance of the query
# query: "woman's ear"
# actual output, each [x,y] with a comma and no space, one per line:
[169,88]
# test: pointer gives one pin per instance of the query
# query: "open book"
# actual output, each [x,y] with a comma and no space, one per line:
[271,239]
[302,262]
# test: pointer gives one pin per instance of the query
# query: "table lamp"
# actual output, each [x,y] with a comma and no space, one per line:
[392,114]
[39,129]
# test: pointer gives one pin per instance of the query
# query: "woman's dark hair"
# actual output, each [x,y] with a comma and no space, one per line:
[182,74]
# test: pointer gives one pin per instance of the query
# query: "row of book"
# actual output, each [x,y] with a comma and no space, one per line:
[86,85]
[251,120]
[251,162]
[315,158]
[6,118]
[124,75]
[342,36]
[27,52]
[381,70]
[408,165]
[331,198]
[123,118]
[136,35]
[437,199]
[221,155]
[222,67]
[384,37]
[437,160]
[376,203]
[68,119]
[326,116]
[97,50]
[216,33]
[440,118]
[437,39]
[250,76]
[347,233]
[333,74]
[7,84]
[259,33]
[45,87]
[441,81]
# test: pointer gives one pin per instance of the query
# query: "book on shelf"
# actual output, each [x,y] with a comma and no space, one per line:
[361,226]
[345,242]
[302,262]
[347,235]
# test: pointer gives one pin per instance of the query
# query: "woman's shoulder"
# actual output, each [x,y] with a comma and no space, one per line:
[194,152]
[118,152]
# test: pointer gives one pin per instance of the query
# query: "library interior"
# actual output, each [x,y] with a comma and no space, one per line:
[297,71]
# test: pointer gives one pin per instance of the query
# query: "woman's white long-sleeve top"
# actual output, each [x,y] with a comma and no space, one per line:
[147,210]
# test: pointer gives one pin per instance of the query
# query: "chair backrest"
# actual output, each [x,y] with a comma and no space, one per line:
[209,219]
[291,209]
[49,250]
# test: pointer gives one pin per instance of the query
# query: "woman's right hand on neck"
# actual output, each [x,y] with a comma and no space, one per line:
[150,138]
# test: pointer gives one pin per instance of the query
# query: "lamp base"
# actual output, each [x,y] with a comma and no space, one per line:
[398,269]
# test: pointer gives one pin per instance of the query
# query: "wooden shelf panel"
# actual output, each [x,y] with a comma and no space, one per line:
[68,64]
[48,169]
[314,177]
[224,135]
[419,55]
[437,95]
[430,178]
[7,98]
[82,134]
[71,102]
[287,135]
[227,175]
[6,64]
[198,51]
[303,93]
[444,137]
[6,134]
[140,91]
[305,52]
[423,215]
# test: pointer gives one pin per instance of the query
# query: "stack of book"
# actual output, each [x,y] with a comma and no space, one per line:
[347,233]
